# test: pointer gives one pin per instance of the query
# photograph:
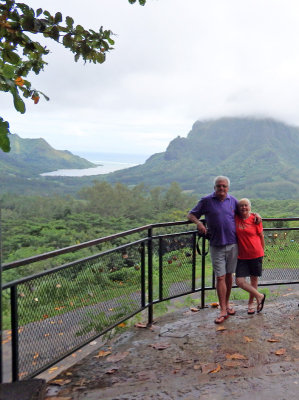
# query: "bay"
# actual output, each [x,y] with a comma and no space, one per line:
[106,163]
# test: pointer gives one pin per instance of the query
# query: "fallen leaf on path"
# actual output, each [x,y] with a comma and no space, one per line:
[52,370]
[175,371]
[292,317]
[280,352]
[273,340]
[117,357]
[197,366]
[111,371]
[207,368]
[102,353]
[145,375]
[232,363]
[60,382]
[58,398]
[214,305]
[221,328]
[214,371]
[160,346]
[121,325]
[140,325]
[248,339]
[194,309]
[235,356]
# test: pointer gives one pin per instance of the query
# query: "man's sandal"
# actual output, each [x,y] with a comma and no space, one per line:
[250,310]
[230,311]
[221,319]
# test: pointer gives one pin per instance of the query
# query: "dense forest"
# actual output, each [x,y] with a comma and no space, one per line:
[33,225]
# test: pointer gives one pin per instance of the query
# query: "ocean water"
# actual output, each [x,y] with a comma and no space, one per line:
[106,162]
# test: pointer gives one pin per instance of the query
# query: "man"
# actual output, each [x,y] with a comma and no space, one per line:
[219,209]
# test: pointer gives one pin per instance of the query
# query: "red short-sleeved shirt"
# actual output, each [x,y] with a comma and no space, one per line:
[249,243]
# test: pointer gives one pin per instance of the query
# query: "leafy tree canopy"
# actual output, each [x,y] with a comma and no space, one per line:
[20,54]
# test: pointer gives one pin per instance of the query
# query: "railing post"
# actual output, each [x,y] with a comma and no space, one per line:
[143,301]
[194,236]
[150,276]
[1,336]
[14,334]
[203,271]
[160,270]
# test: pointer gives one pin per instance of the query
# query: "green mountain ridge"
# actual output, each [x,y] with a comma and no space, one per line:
[31,157]
[260,156]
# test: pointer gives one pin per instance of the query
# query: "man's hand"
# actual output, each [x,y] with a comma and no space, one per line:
[257,218]
[200,226]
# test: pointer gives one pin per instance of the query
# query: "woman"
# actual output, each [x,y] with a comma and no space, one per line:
[251,246]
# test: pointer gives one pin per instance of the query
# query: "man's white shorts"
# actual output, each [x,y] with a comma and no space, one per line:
[224,259]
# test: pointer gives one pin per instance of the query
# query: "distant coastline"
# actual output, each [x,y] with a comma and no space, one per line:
[107,162]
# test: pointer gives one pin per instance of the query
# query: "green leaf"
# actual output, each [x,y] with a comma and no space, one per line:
[4,132]
[54,33]
[58,17]
[11,57]
[67,40]
[18,102]
[23,7]
[47,14]
[8,71]
[69,21]
[79,29]
[101,58]
[39,12]
[28,23]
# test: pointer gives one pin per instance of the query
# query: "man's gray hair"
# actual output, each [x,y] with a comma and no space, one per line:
[222,178]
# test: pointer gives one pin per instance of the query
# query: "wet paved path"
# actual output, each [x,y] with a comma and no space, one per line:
[186,356]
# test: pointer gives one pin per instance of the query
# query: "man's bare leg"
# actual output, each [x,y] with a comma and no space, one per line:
[222,293]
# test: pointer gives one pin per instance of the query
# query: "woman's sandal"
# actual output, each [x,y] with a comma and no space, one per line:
[221,319]
[260,305]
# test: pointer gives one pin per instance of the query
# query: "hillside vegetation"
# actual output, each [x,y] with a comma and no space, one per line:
[31,157]
[259,155]
[33,225]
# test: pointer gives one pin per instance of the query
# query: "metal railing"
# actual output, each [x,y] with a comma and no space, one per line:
[55,312]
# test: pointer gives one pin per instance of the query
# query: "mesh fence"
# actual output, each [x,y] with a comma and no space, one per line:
[280,263]
[177,265]
[69,306]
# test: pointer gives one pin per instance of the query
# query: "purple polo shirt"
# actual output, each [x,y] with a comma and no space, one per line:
[220,218]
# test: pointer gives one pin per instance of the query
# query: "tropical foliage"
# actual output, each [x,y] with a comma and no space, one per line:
[20,54]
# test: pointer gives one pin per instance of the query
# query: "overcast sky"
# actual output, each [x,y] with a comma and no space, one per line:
[174,62]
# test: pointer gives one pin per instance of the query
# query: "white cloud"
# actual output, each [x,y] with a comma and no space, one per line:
[175,61]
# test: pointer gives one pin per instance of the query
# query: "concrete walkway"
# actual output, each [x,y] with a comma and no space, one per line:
[184,355]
